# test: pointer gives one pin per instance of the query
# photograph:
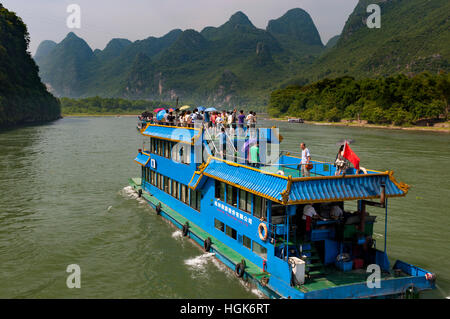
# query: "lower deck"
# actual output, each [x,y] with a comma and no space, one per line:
[320,285]
[334,278]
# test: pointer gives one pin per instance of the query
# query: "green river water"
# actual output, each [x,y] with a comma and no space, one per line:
[64,200]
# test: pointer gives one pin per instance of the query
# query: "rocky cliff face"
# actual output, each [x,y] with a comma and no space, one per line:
[23,97]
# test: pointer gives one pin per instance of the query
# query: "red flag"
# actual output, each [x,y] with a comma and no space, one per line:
[351,156]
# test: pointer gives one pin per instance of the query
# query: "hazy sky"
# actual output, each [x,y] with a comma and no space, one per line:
[102,20]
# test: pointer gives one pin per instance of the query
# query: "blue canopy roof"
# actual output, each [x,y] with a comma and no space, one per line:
[172,133]
[287,190]
[142,159]
[350,187]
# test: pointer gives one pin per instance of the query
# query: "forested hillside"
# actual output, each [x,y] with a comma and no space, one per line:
[235,63]
[23,97]
[414,37]
[395,100]
[98,105]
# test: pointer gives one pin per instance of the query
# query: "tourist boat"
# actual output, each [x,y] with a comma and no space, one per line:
[250,217]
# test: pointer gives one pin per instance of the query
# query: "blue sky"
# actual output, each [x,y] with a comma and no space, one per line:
[102,20]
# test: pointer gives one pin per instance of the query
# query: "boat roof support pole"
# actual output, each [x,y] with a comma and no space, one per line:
[385,225]
[287,241]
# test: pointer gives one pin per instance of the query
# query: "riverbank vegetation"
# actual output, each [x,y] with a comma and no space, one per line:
[397,100]
[23,97]
[103,106]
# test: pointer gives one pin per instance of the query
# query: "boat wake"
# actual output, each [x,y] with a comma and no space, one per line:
[177,234]
[129,192]
[197,264]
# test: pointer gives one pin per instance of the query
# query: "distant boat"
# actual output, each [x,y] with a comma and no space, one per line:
[296,121]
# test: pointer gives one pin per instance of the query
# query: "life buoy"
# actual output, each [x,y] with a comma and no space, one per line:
[239,270]
[261,227]
[185,229]
[280,172]
[207,244]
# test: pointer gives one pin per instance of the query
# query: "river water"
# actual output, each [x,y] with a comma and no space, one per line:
[64,200]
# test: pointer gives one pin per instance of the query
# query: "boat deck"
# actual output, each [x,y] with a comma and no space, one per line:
[334,278]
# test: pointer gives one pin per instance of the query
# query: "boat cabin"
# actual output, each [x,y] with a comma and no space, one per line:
[271,215]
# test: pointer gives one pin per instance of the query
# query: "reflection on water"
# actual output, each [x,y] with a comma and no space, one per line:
[64,200]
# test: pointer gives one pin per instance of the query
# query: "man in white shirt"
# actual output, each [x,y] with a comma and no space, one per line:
[306,158]
[309,211]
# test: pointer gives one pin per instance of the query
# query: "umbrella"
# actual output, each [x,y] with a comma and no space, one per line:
[185,107]
[342,142]
[201,108]
[160,115]
[171,110]
[157,110]
[211,109]
[247,144]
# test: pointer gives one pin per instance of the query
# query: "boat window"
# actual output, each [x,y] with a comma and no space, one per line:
[174,189]
[278,209]
[199,199]
[152,145]
[259,250]
[147,173]
[160,182]
[232,195]
[183,193]
[220,190]
[245,201]
[231,232]
[166,149]
[195,199]
[177,151]
[247,242]
[153,178]
[260,208]
[219,225]
[185,155]
[166,184]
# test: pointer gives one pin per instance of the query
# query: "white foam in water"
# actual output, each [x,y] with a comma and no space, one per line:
[199,262]
[177,234]
[129,192]
[229,273]
[258,293]
[109,208]
[378,235]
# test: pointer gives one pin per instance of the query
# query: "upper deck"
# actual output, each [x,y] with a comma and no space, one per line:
[277,178]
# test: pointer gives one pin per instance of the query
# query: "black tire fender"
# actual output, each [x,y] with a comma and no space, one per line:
[239,270]
[185,229]
[207,244]
[158,208]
